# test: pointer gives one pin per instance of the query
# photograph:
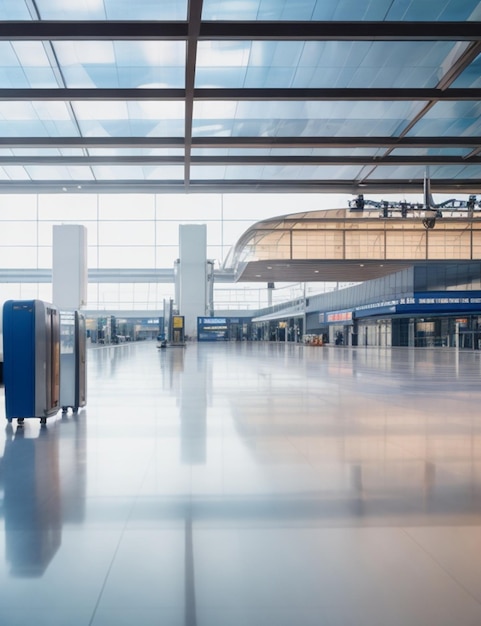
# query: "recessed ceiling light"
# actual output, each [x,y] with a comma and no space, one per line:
[361,264]
[258,275]
[269,267]
[316,271]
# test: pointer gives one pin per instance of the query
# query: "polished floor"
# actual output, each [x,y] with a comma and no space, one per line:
[249,484]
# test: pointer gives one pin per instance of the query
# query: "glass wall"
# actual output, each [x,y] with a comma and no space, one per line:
[140,231]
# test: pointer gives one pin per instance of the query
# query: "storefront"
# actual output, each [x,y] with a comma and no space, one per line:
[223,328]
[431,319]
[281,328]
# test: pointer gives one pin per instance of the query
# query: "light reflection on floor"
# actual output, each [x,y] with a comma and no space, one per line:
[249,484]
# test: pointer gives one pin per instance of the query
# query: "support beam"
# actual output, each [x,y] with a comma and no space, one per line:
[261,160]
[347,186]
[58,30]
[137,143]
[240,94]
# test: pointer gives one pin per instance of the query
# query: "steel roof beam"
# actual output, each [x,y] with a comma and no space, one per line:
[243,94]
[137,143]
[352,187]
[58,30]
[342,31]
[195,14]
[336,94]
[240,160]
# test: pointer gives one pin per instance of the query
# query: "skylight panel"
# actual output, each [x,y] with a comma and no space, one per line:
[24,64]
[112,10]
[471,77]
[134,172]
[14,10]
[326,64]
[31,53]
[58,172]
[14,172]
[46,152]
[450,119]
[36,119]
[299,118]
[122,64]
[132,118]
[325,10]
[114,152]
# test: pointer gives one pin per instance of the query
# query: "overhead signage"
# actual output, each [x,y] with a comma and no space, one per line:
[440,301]
[212,320]
[422,302]
[178,321]
[339,316]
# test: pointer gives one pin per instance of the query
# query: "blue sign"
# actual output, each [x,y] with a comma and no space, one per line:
[424,302]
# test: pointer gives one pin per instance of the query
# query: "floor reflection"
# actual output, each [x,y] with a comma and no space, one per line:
[250,484]
[32,504]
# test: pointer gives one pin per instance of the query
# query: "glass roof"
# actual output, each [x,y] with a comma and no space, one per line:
[112,9]
[303,64]
[288,152]
[287,119]
[220,96]
[471,77]
[451,118]
[121,64]
[415,10]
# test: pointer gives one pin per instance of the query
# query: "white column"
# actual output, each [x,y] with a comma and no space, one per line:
[192,275]
[69,266]
[270,289]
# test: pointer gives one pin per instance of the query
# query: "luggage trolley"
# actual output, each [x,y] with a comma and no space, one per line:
[72,361]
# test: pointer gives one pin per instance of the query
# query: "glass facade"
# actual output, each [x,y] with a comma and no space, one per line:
[341,235]
[131,232]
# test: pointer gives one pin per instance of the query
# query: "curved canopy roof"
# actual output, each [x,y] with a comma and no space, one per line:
[255,95]
[355,245]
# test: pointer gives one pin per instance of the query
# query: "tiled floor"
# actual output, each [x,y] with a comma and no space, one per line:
[249,485]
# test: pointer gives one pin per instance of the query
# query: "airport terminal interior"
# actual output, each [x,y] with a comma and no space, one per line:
[247,393]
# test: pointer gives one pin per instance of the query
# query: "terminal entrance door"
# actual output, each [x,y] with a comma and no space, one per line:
[468,333]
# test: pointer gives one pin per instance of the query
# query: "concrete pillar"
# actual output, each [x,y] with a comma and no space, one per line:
[192,275]
[69,267]
[411,333]
[270,289]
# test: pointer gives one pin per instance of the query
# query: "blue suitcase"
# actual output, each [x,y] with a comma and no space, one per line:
[31,355]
